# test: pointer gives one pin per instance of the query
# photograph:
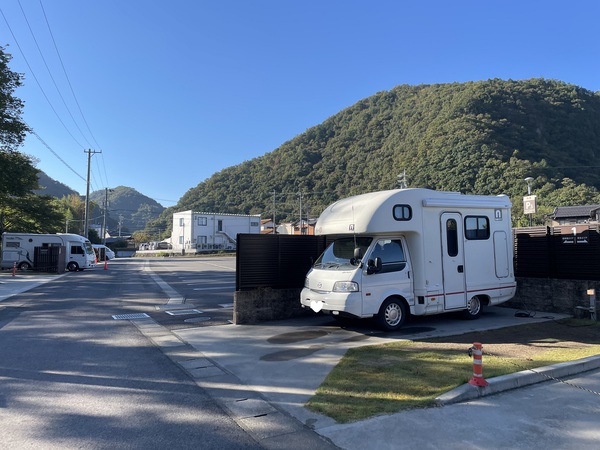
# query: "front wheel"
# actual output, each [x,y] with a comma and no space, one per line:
[392,314]
[72,266]
[474,308]
[24,266]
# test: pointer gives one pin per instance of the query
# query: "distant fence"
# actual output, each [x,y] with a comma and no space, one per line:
[49,259]
[563,252]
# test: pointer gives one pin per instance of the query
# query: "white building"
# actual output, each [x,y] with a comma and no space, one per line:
[202,231]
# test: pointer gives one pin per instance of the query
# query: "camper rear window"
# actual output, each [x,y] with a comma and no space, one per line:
[402,212]
[477,227]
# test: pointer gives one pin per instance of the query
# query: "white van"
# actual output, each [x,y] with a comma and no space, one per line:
[412,251]
[19,249]
[103,251]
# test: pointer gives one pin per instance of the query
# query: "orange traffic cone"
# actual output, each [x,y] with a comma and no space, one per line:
[105,264]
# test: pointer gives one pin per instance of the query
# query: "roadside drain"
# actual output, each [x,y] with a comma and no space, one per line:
[197,319]
[183,312]
[131,316]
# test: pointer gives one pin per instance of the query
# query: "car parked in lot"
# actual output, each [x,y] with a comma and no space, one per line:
[103,250]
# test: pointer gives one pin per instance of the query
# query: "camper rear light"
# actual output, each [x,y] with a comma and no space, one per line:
[345,286]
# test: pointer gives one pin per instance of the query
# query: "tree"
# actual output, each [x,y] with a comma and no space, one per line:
[140,237]
[12,126]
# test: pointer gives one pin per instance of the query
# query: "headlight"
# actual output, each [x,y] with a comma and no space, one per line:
[345,286]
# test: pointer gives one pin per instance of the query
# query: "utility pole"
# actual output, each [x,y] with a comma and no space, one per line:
[300,225]
[402,183]
[104,210]
[120,223]
[87,192]
[274,232]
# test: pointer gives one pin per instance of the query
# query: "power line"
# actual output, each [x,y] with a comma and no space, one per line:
[36,79]
[67,77]
[74,96]
[50,72]
[54,153]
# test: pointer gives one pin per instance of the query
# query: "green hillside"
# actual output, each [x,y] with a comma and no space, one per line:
[479,137]
[126,207]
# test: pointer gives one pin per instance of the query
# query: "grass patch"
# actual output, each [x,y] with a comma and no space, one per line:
[387,378]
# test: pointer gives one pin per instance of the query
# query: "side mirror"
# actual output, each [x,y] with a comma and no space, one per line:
[358,253]
[374,266]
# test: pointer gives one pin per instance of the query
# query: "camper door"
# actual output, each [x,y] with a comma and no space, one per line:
[453,261]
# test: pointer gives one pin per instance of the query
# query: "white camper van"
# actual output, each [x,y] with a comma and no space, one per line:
[19,248]
[413,251]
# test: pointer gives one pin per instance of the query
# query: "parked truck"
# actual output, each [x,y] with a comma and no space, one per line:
[412,251]
[19,249]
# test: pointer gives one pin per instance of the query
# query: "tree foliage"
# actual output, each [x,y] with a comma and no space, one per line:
[479,138]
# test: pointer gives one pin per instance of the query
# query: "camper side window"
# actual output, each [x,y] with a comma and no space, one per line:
[77,250]
[402,212]
[477,227]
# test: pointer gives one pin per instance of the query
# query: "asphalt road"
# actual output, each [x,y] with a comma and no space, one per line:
[205,287]
[73,377]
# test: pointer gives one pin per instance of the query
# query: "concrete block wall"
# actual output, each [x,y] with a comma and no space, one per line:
[552,295]
[265,304]
[533,294]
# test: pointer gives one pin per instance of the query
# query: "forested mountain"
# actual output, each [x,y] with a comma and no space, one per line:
[478,137]
[127,209]
[49,186]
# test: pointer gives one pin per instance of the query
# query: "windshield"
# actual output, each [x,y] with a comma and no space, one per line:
[88,248]
[340,254]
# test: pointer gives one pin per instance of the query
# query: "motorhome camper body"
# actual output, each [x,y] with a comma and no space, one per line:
[412,250]
[19,249]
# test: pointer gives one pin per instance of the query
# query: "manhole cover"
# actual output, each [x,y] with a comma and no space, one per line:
[183,312]
[197,319]
[131,316]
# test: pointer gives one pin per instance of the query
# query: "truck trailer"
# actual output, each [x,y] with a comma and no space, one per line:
[18,249]
[412,251]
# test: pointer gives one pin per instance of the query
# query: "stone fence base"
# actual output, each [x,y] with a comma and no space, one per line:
[264,304]
[533,294]
[554,296]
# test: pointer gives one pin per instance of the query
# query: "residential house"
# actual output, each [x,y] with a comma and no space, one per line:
[573,215]
[203,231]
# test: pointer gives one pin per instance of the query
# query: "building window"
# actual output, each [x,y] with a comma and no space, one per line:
[181,223]
[202,221]
[477,227]
[181,240]
[255,224]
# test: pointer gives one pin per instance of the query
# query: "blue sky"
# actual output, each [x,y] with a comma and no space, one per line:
[173,92]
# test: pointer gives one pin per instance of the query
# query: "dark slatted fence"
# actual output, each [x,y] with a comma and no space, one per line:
[565,252]
[46,259]
[276,261]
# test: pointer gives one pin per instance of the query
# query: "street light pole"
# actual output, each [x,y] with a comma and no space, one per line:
[529,180]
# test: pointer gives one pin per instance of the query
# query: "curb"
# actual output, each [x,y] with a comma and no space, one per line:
[519,379]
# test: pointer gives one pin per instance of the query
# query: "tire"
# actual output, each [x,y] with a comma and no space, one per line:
[72,266]
[474,309]
[24,266]
[392,314]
